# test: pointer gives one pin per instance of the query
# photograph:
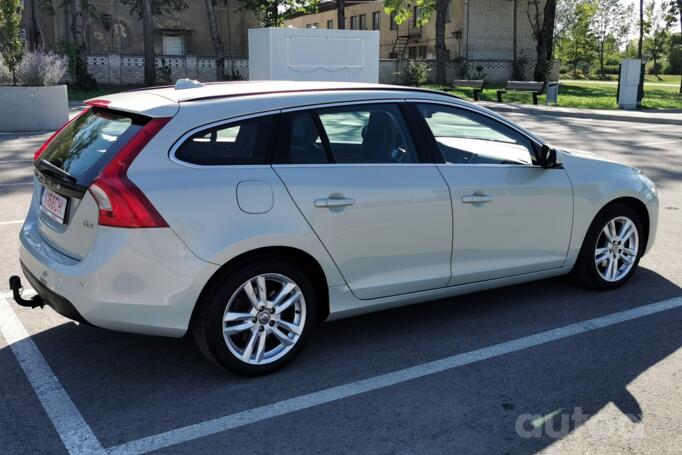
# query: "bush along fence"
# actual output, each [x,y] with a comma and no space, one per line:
[129,69]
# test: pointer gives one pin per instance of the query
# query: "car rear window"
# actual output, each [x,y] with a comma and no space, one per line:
[87,144]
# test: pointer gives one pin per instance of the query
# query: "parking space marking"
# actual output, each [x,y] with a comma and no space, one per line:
[3,223]
[17,184]
[209,427]
[73,430]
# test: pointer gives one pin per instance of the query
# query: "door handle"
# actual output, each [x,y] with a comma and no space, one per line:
[476,199]
[332,202]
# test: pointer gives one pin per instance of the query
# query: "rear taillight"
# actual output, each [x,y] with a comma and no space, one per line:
[47,142]
[121,203]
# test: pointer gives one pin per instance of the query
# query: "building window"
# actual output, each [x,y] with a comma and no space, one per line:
[422,52]
[308,25]
[412,52]
[330,24]
[394,26]
[363,21]
[173,45]
[354,22]
[416,15]
[448,18]
[375,20]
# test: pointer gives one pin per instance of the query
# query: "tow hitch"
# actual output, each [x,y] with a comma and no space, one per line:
[16,287]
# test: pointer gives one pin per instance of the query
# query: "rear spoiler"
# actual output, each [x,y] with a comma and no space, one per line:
[147,104]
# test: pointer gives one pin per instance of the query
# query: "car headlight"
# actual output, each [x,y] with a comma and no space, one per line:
[648,182]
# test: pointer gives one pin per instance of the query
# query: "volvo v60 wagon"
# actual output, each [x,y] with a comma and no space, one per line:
[245,213]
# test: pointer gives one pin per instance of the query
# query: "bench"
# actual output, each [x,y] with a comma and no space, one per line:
[523,86]
[477,85]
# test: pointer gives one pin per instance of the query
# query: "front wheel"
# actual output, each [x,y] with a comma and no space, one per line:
[612,248]
[257,318]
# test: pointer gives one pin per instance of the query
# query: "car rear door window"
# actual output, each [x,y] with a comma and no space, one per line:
[465,137]
[242,142]
[300,141]
[368,133]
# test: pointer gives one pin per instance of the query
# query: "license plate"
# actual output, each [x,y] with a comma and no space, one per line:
[53,205]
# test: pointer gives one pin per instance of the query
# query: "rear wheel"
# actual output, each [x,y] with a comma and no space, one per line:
[612,248]
[257,317]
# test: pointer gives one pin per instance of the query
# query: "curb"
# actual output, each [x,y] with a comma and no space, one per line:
[672,118]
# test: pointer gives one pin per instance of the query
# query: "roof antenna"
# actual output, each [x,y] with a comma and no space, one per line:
[183,84]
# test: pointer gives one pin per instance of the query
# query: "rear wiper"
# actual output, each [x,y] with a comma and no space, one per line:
[46,165]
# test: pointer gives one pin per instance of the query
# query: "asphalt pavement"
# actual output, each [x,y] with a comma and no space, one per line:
[540,367]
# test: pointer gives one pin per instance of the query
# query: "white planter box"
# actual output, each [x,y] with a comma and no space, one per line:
[305,54]
[33,108]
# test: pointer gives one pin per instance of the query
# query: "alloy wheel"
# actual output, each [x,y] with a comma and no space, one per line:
[616,250]
[264,318]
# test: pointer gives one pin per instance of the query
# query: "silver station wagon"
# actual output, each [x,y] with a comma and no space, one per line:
[248,212]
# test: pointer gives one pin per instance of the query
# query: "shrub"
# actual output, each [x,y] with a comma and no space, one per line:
[5,75]
[417,72]
[41,68]
[164,73]
[234,75]
[519,68]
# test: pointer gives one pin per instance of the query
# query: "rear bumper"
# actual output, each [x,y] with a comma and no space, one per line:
[134,280]
[54,300]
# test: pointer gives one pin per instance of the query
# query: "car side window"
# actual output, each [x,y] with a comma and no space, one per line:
[242,142]
[368,133]
[465,137]
[299,140]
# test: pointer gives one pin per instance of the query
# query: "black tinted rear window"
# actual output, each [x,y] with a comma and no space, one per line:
[86,145]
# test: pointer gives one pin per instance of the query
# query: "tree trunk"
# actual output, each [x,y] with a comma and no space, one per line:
[641,29]
[341,15]
[149,54]
[78,35]
[441,50]
[274,15]
[230,54]
[217,41]
[545,40]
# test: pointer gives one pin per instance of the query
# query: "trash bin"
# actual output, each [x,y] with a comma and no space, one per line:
[553,92]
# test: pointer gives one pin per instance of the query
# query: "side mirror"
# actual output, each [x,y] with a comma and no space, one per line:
[547,156]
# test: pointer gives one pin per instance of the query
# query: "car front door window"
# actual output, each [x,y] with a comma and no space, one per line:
[465,137]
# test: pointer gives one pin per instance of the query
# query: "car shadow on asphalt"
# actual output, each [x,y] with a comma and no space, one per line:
[130,386]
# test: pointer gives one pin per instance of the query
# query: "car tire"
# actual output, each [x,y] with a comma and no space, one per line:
[239,330]
[606,260]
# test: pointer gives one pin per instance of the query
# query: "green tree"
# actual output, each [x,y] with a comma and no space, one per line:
[578,43]
[146,10]
[674,14]
[272,13]
[542,20]
[657,29]
[12,46]
[403,10]
[610,25]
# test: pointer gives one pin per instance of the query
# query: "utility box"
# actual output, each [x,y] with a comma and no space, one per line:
[630,81]
[310,54]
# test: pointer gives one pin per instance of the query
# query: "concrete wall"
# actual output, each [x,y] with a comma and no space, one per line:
[129,69]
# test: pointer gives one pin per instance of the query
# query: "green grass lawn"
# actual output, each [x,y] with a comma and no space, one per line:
[649,78]
[582,94]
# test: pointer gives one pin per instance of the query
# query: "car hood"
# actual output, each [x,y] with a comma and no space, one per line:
[578,159]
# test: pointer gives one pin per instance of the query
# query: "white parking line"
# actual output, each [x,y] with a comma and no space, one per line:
[17,184]
[78,437]
[73,430]
[3,223]
[209,427]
